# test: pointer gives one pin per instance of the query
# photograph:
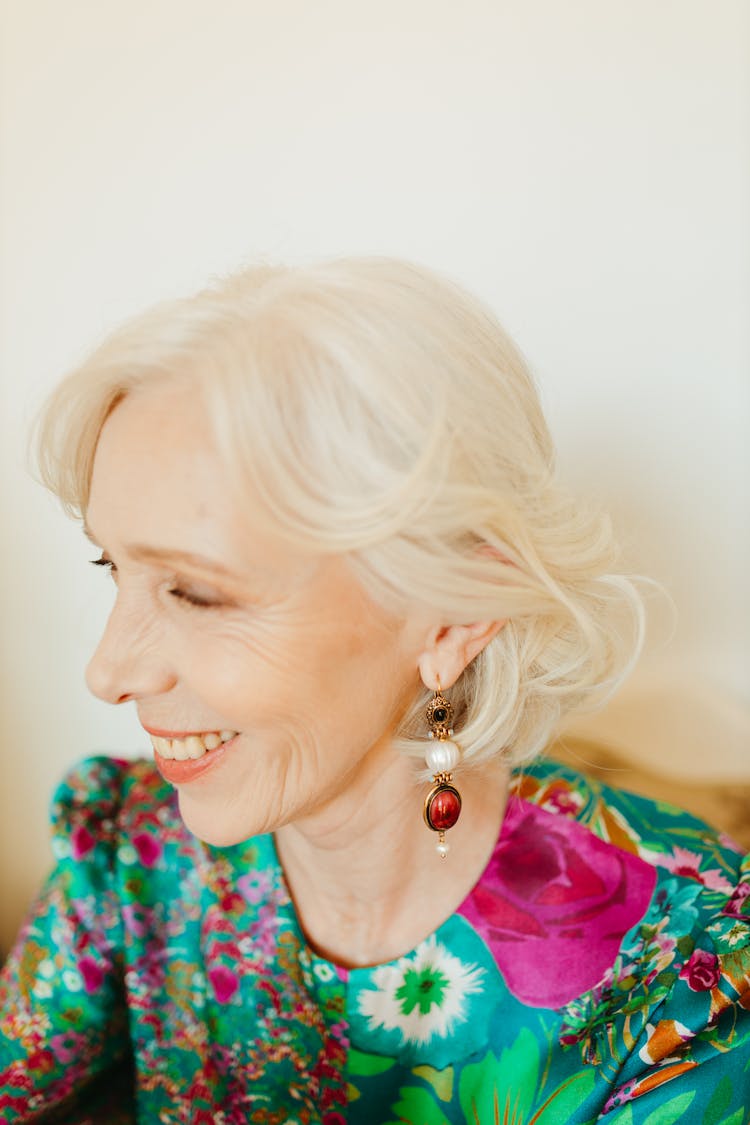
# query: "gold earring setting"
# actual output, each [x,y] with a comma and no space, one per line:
[442,805]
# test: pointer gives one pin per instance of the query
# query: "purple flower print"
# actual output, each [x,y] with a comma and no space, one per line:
[702,972]
[554,905]
[224,983]
[67,1046]
[255,886]
[137,918]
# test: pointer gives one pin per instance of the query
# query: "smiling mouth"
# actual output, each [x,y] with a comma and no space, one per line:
[193,747]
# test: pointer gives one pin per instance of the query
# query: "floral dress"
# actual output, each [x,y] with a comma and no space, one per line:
[598,971]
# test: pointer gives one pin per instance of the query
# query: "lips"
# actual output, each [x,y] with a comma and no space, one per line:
[181,772]
[194,746]
[184,756]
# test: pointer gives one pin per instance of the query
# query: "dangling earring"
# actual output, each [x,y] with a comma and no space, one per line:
[442,805]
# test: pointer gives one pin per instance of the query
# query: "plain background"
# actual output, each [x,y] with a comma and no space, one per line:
[583,166]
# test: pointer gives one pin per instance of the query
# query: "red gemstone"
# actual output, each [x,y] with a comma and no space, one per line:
[443,808]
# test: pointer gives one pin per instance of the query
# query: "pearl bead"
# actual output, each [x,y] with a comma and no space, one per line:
[442,850]
[441,757]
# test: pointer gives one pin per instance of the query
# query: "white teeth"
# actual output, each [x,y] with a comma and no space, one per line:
[192,747]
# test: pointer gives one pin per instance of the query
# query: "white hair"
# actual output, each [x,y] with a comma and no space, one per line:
[379,411]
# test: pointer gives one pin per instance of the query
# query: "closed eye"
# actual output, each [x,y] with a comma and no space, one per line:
[181,595]
[192,599]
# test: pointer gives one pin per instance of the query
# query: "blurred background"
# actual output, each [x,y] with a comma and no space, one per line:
[584,167]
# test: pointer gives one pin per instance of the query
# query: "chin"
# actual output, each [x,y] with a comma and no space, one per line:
[214,828]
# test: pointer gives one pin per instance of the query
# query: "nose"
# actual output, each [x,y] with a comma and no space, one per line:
[129,661]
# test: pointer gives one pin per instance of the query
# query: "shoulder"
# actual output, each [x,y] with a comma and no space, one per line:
[104,780]
[585,881]
[117,818]
[628,917]
[657,832]
[103,802]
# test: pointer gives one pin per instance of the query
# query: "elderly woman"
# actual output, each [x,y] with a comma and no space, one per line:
[352,604]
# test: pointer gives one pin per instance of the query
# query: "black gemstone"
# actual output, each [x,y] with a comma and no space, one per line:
[440,714]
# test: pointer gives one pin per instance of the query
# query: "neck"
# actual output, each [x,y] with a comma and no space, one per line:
[363,870]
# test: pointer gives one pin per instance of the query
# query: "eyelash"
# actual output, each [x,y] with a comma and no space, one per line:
[176,592]
[190,599]
[102,561]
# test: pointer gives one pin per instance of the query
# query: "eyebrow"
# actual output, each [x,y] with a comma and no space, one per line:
[166,554]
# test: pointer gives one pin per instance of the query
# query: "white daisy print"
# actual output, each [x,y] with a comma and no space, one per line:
[422,995]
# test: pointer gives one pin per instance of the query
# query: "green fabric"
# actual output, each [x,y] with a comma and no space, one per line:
[598,970]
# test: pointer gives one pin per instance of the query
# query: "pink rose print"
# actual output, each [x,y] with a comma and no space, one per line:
[92,974]
[148,848]
[555,904]
[224,983]
[81,841]
[735,908]
[560,798]
[232,902]
[702,972]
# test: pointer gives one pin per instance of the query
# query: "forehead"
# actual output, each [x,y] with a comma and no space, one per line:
[156,438]
[160,477]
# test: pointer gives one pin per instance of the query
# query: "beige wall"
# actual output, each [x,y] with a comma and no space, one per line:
[585,166]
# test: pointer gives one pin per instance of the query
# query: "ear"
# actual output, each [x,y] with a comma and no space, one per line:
[451,648]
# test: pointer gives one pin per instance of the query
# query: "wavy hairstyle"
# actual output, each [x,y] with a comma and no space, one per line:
[380,411]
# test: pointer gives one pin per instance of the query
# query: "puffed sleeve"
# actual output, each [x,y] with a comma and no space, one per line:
[691,1061]
[63,1022]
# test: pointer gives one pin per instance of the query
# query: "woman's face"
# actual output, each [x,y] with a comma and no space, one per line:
[282,648]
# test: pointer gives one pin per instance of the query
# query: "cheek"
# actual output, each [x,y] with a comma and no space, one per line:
[256,672]
[293,670]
